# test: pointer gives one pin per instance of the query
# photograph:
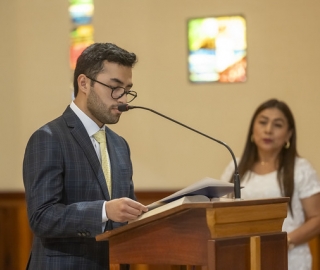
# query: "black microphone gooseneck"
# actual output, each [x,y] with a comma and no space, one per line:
[237,194]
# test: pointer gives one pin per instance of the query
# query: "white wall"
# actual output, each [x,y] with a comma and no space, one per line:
[283,59]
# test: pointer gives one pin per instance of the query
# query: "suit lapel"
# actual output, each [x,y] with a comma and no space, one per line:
[114,162]
[80,134]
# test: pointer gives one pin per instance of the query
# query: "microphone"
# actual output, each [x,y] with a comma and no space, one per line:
[236,181]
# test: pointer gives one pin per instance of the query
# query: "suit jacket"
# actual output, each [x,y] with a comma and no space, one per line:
[65,191]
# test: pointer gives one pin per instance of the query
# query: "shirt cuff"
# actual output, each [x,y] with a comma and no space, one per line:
[104,213]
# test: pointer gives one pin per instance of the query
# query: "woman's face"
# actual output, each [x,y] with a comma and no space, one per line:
[271,130]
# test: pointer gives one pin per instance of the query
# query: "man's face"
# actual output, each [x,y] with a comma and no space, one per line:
[102,107]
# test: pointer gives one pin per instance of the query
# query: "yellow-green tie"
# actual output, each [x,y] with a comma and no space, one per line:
[100,137]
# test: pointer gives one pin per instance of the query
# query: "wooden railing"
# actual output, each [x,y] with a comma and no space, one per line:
[16,236]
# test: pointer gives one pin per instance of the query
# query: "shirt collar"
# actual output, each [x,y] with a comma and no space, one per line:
[88,123]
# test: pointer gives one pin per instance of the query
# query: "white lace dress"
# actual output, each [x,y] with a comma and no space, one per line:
[306,183]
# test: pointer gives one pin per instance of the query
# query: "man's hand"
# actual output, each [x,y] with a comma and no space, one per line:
[124,209]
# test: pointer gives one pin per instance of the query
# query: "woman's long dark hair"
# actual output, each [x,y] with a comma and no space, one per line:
[285,172]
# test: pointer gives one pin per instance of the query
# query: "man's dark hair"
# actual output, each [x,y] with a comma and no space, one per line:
[91,60]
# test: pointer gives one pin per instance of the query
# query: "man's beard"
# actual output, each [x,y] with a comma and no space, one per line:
[99,110]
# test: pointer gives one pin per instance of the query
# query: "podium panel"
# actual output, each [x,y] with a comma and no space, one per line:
[234,253]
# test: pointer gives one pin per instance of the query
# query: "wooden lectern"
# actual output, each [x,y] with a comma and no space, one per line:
[220,235]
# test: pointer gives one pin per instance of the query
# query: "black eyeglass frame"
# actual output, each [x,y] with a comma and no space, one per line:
[132,93]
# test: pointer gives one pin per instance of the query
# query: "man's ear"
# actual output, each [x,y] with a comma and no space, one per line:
[83,83]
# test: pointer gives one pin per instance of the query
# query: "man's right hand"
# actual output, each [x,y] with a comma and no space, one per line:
[124,209]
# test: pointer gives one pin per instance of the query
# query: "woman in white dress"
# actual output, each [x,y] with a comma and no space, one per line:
[271,167]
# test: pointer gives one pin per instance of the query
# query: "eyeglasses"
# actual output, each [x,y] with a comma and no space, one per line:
[118,91]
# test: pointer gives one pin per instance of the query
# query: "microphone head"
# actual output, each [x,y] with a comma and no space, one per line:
[123,107]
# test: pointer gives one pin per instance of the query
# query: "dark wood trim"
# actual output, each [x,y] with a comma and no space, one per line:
[142,195]
[12,195]
[150,196]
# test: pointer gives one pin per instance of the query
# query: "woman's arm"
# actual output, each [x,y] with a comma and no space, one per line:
[311,227]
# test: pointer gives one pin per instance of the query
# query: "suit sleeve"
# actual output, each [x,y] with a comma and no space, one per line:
[44,180]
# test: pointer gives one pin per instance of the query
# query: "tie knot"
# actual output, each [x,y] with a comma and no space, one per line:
[100,136]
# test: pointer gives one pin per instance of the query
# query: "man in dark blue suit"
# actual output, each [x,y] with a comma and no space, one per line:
[66,191]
